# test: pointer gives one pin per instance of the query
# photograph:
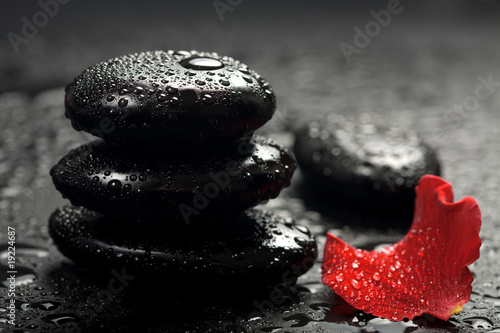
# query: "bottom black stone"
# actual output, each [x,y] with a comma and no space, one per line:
[260,249]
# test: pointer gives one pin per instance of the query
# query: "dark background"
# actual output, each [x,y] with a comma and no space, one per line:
[426,61]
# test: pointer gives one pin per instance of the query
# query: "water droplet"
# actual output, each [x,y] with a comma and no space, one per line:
[301,241]
[45,305]
[172,90]
[24,275]
[239,255]
[199,82]
[303,229]
[479,322]
[207,99]
[201,63]
[355,284]
[138,90]
[182,53]
[162,98]
[115,185]
[122,102]
[258,159]
[110,98]
[61,318]
[174,101]
[247,78]
[224,82]
[376,276]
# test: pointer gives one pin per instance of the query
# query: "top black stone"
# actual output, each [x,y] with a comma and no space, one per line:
[169,99]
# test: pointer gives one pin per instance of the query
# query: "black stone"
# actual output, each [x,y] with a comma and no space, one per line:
[169,100]
[364,162]
[173,188]
[258,249]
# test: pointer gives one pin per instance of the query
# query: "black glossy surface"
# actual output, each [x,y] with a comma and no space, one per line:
[364,162]
[169,100]
[427,60]
[174,189]
[258,249]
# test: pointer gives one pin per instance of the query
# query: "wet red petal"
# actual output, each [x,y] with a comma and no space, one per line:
[425,272]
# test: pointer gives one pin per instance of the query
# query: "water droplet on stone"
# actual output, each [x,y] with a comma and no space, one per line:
[201,63]
[257,159]
[174,101]
[162,98]
[172,90]
[303,229]
[207,99]
[122,102]
[115,185]
[247,78]
[300,241]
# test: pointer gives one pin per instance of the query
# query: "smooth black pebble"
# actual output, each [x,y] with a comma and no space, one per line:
[173,188]
[169,100]
[259,249]
[364,162]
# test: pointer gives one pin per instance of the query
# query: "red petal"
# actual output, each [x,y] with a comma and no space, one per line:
[425,272]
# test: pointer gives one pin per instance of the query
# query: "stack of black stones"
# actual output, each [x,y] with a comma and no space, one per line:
[166,194]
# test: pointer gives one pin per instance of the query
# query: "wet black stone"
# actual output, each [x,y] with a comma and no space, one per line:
[364,162]
[260,248]
[170,100]
[173,187]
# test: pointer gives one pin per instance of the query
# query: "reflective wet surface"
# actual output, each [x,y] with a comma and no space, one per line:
[53,293]
[413,73]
